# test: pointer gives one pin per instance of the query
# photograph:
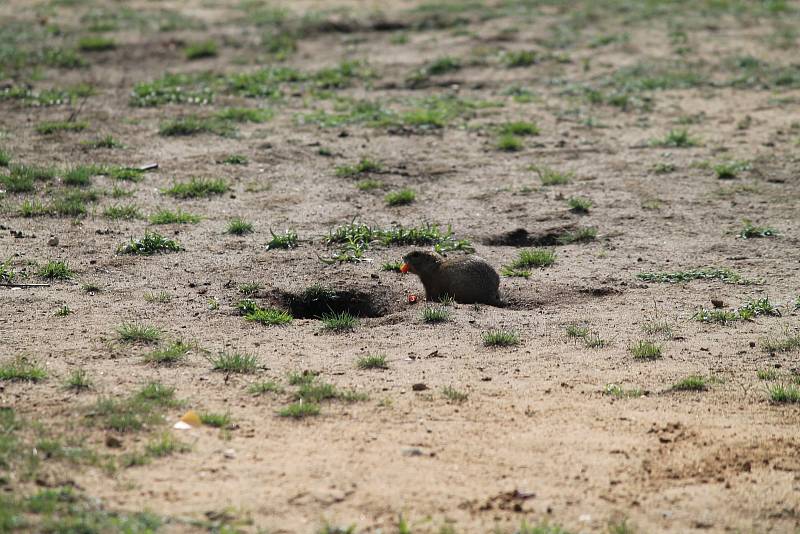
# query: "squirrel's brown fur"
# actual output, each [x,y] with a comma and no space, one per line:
[467,279]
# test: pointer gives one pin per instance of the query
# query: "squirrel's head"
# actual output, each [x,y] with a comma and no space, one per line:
[420,261]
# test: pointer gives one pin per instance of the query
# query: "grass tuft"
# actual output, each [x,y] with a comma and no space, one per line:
[138,333]
[151,243]
[176,352]
[784,393]
[56,270]
[173,217]
[401,197]
[201,50]
[339,322]
[691,383]
[21,369]
[286,240]
[217,420]
[646,350]
[78,380]
[239,226]
[300,410]
[454,395]
[435,314]
[579,205]
[234,362]
[372,361]
[198,188]
[749,230]
[270,317]
[678,138]
[500,338]
[261,388]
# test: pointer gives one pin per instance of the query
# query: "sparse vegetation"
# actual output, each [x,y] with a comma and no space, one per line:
[679,138]
[286,240]
[500,338]
[454,395]
[725,275]
[239,226]
[198,188]
[138,333]
[691,383]
[435,314]
[372,361]
[579,205]
[339,322]
[78,380]
[784,393]
[550,177]
[201,50]
[176,352]
[173,217]
[646,350]
[615,390]
[400,197]
[22,369]
[300,410]
[234,362]
[151,243]
[749,230]
[56,270]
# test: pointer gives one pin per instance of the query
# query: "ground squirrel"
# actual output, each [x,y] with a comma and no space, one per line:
[467,280]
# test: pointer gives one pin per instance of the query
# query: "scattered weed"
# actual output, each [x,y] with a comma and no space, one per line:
[454,395]
[594,341]
[286,240]
[369,185]
[534,257]
[577,331]
[270,317]
[372,361]
[234,362]
[579,205]
[788,343]
[401,197]
[165,445]
[176,352]
[162,297]
[234,159]
[750,231]
[618,391]
[56,270]
[784,394]
[715,316]
[151,243]
[250,288]
[520,128]
[521,58]
[364,166]
[691,383]
[730,169]
[435,314]
[201,50]
[664,168]
[78,380]
[646,350]
[338,322]
[725,275]
[138,333]
[21,369]
[679,138]
[550,176]
[767,374]
[53,127]
[500,338]
[103,142]
[581,235]
[63,311]
[299,410]
[173,217]
[239,226]
[96,43]
[656,327]
[260,388]
[122,211]
[217,420]
[194,124]
[509,143]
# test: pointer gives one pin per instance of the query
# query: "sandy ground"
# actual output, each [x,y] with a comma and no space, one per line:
[537,439]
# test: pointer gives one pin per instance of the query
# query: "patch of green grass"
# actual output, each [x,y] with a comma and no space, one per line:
[369,185]
[715,316]
[339,322]
[63,311]
[78,380]
[594,341]
[126,174]
[691,383]
[260,388]
[534,257]
[581,235]
[435,314]
[194,125]
[239,226]
[550,176]
[315,392]
[257,115]
[678,138]
[657,327]
[38,173]
[756,307]
[767,374]
[728,170]
[615,390]
[401,197]
[300,410]
[162,297]
[520,128]
[138,333]
[173,217]
[174,89]
[372,361]
[56,270]
[454,395]
[5,158]
[646,350]
[165,445]
[176,352]
[287,240]
[151,243]
[198,188]
[250,288]
[21,369]
[500,338]
[749,230]
[270,317]
[33,208]
[53,127]
[234,362]
[788,343]
[438,66]
[7,272]
[299,379]
[723,274]
[577,331]
[520,58]
[784,393]
[103,142]
[509,143]
[80,176]
[201,50]
[234,159]
[217,420]
[579,205]
[122,211]
[664,168]
[364,166]
[96,43]
[393,266]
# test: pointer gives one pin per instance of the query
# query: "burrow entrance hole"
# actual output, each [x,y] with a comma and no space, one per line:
[522,238]
[316,301]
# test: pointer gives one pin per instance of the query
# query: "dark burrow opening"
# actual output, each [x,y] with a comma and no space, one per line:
[317,300]
[520,237]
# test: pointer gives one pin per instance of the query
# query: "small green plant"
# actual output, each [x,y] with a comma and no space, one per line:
[21,369]
[124,174]
[594,341]
[201,50]
[165,445]
[581,235]
[198,188]
[217,420]
[286,240]
[364,166]
[577,331]
[372,361]
[657,327]
[138,333]
[56,270]
[151,243]
[715,316]
[96,43]
[5,158]
[664,168]
[194,124]
[435,314]
[300,410]
[550,176]
[530,258]
[679,138]
[393,266]
[730,169]
[78,380]
[249,289]
[646,350]
[520,58]
[173,217]
[454,395]
[256,115]
[299,379]
[260,388]
[270,317]
[162,297]
[339,322]
[234,159]
[520,128]
[63,311]
[239,226]
[80,176]
[369,185]
[767,374]
[500,338]
[615,390]
[750,230]
[54,127]
[691,383]
[579,205]
[757,307]
[7,273]
[234,362]
[784,393]
[509,143]
[103,142]
[725,275]
[788,343]
[122,211]
[176,352]
[401,197]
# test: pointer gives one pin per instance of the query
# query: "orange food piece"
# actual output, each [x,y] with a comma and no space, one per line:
[191,418]
[412,299]
[404,268]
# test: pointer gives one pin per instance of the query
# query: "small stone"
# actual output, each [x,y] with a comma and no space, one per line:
[53,241]
[414,451]
[113,442]
[419,386]
[229,454]
[718,303]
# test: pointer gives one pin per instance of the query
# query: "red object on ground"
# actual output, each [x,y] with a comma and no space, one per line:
[404,268]
[412,299]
